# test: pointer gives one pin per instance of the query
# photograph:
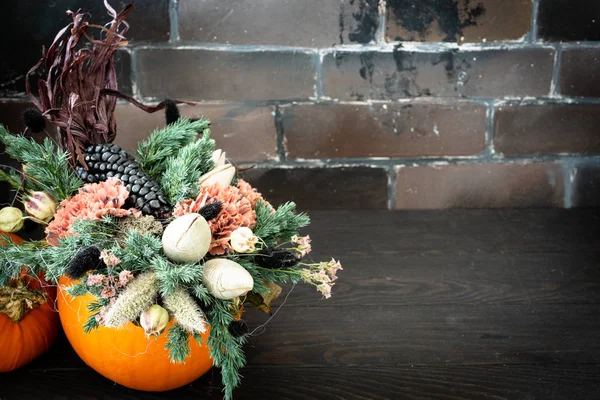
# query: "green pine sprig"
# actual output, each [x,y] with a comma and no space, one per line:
[167,142]
[178,344]
[171,276]
[282,224]
[46,167]
[179,181]
[225,350]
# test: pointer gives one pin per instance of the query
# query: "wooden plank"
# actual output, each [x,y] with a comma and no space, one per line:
[425,278]
[392,336]
[305,383]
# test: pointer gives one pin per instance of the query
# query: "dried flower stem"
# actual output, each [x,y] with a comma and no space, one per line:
[137,296]
[186,311]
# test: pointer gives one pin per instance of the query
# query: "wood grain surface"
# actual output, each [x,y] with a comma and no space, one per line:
[478,304]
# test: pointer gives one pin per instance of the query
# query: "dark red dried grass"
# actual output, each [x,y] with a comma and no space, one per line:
[78,83]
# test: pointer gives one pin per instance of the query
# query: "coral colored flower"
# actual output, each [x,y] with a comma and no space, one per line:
[237,212]
[252,194]
[92,202]
[95,279]
[124,277]
[108,292]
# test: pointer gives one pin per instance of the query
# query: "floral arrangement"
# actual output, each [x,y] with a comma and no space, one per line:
[173,234]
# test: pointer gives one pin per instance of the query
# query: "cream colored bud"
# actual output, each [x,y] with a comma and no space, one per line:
[243,240]
[187,238]
[154,320]
[40,206]
[11,219]
[226,279]
[218,157]
[222,175]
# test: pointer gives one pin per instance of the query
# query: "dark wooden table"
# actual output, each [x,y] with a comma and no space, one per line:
[432,305]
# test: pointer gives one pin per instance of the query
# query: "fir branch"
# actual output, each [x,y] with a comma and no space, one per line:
[171,276]
[91,324]
[182,172]
[282,224]
[178,344]
[201,293]
[260,274]
[166,142]
[12,177]
[185,310]
[78,289]
[46,167]
[225,349]
[138,251]
[13,257]
[198,338]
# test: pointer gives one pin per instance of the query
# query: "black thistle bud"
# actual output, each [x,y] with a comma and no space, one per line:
[211,211]
[276,258]
[34,120]
[87,258]
[238,328]
[171,111]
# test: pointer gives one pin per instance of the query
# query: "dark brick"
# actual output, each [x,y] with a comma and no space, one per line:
[586,185]
[569,20]
[480,186]
[284,22]
[322,188]
[401,74]
[222,75]
[579,73]
[245,133]
[547,129]
[392,130]
[458,20]
[33,23]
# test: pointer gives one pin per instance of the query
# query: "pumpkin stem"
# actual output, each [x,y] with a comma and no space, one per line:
[17,299]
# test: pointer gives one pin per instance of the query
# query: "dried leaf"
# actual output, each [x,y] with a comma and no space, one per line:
[263,302]
[17,299]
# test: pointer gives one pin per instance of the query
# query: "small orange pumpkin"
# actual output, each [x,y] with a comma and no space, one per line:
[125,355]
[22,342]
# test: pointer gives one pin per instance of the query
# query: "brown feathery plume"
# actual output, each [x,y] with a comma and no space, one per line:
[78,86]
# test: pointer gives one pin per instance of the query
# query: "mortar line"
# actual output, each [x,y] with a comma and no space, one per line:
[392,186]
[534,20]
[489,129]
[174,21]
[278,121]
[318,63]
[555,84]
[135,82]
[382,14]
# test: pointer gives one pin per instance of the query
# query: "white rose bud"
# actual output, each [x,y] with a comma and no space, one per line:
[218,157]
[243,240]
[154,320]
[40,206]
[187,238]
[226,279]
[11,219]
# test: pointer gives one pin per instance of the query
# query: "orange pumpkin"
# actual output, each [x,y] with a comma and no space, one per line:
[33,335]
[125,355]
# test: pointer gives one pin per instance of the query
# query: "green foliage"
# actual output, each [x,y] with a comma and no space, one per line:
[90,324]
[12,177]
[78,289]
[165,143]
[171,276]
[201,293]
[177,344]
[183,170]
[260,274]
[225,350]
[46,166]
[138,251]
[282,224]
[13,257]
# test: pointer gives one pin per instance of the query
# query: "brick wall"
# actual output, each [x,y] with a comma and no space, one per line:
[364,103]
